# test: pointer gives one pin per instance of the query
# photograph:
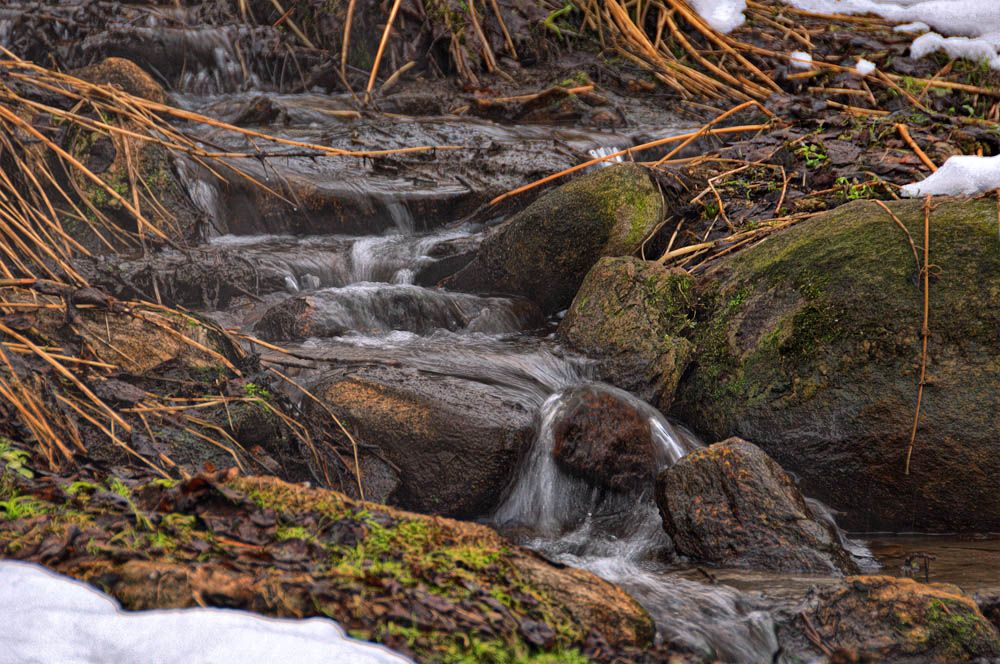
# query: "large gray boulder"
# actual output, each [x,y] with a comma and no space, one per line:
[545,251]
[429,442]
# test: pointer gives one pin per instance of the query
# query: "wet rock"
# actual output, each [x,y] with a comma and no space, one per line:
[607,442]
[882,618]
[811,347]
[202,279]
[453,442]
[545,251]
[631,314]
[123,74]
[730,504]
[384,307]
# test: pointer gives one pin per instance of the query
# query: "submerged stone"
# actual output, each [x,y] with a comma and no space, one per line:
[730,504]
[545,251]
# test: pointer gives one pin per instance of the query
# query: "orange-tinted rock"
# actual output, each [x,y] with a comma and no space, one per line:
[124,74]
[607,442]
[888,619]
[730,504]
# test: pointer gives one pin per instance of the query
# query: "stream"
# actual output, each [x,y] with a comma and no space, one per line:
[367,240]
[372,282]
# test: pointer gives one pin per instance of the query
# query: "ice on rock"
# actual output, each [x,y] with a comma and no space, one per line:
[962,175]
[801,60]
[864,67]
[47,617]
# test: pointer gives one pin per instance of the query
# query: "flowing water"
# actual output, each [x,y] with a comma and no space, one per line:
[375,301]
[369,266]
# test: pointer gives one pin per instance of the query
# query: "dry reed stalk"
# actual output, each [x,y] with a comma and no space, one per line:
[503,29]
[340,425]
[381,50]
[628,151]
[924,329]
[904,132]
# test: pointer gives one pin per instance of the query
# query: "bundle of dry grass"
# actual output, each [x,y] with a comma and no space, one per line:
[75,364]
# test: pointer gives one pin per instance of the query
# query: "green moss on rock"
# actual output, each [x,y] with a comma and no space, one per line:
[809,345]
[545,251]
[633,315]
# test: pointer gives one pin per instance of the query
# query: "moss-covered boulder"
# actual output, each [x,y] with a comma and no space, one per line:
[886,619]
[631,314]
[809,344]
[435,589]
[732,505]
[545,251]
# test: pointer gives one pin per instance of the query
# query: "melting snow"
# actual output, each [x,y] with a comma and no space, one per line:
[962,175]
[801,60]
[973,25]
[47,617]
[864,67]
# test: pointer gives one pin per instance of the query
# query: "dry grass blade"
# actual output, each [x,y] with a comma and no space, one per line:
[629,151]
[381,50]
[924,329]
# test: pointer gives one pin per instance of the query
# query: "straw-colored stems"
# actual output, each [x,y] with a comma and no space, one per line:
[381,50]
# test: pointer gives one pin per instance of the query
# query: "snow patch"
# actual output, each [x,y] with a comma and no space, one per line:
[961,175]
[721,15]
[801,60]
[864,67]
[48,617]
[916,27]
[955,18]
[979,50]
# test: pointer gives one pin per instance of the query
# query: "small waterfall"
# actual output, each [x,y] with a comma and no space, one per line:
[380,307]
[552,501]
[619,536]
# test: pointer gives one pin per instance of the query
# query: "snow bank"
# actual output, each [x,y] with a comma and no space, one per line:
[973,26]
[979,50]
[961,175]
[47,617]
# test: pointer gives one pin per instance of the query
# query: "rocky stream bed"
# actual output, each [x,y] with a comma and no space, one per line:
[645,413]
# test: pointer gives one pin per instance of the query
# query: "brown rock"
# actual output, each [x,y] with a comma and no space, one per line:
[888,619]
[124,74]
[453,442]
[730,504]
[607,442]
